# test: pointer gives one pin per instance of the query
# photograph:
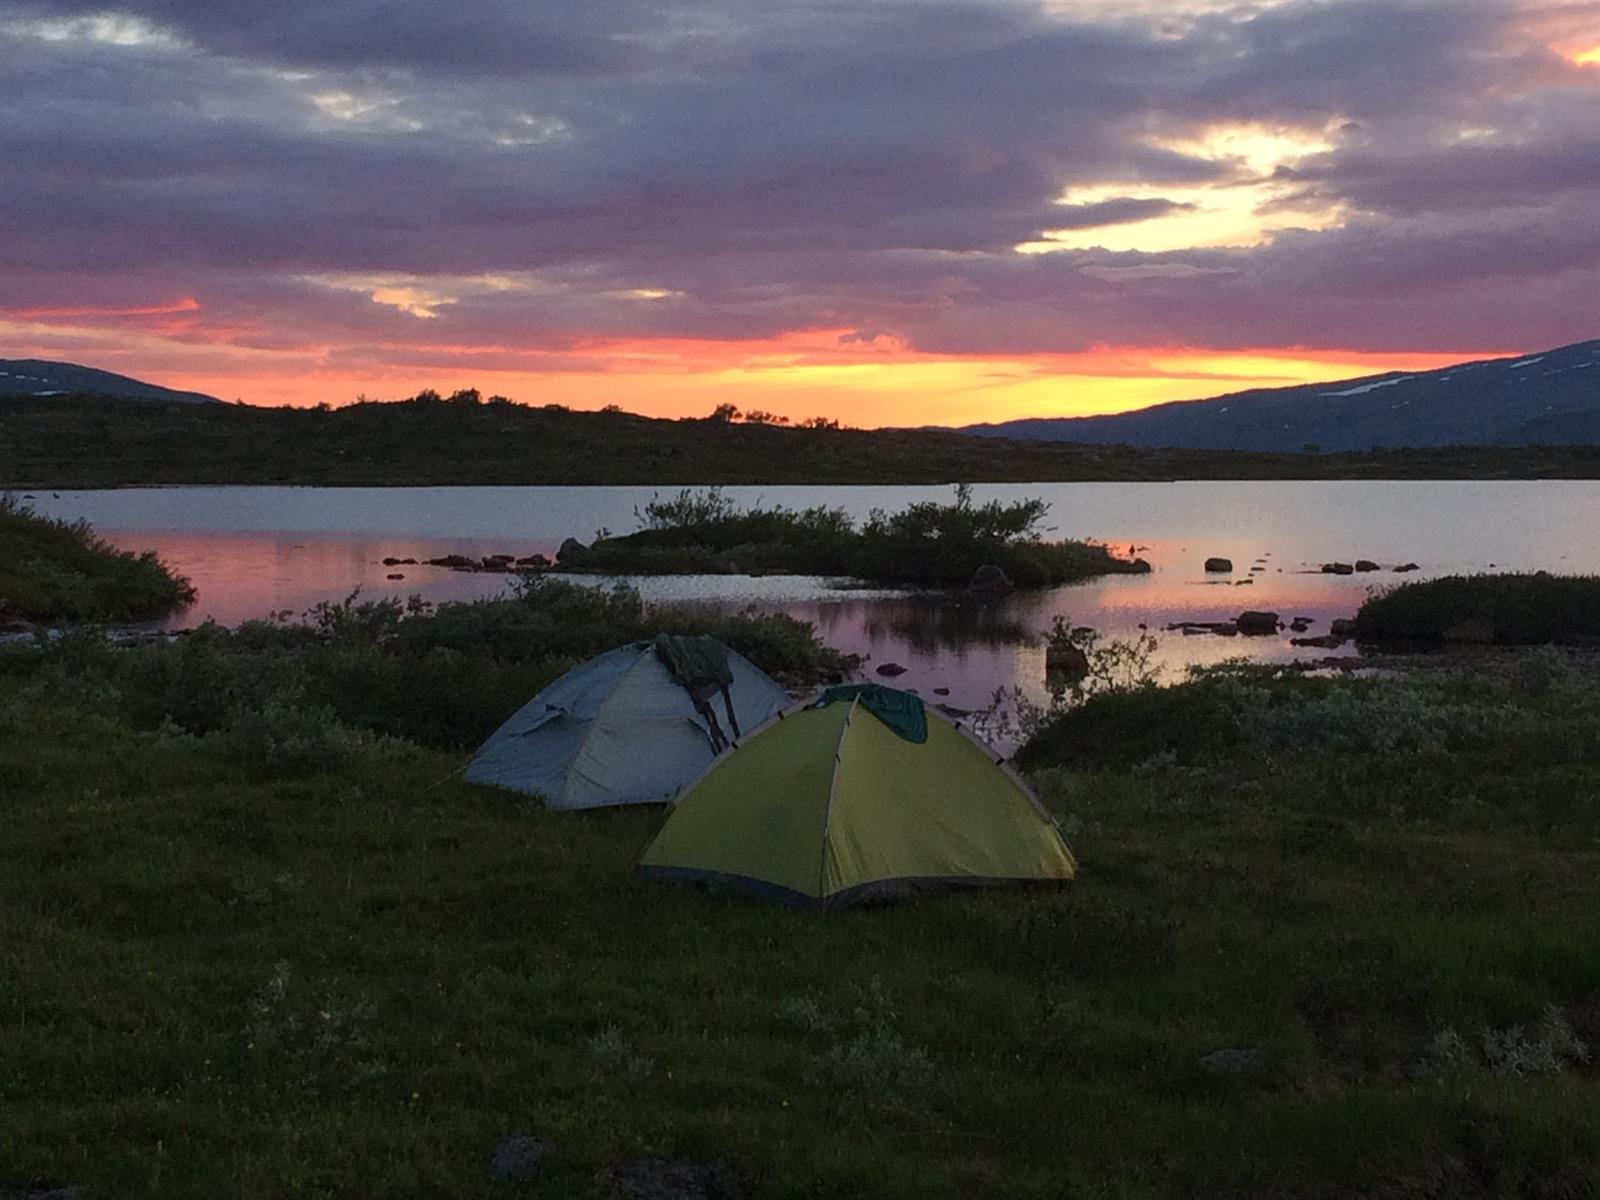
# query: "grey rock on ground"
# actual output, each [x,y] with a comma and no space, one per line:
[518,1158]
[673,1179]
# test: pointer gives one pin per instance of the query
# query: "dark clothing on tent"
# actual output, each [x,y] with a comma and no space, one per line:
[900,711]
[699,665]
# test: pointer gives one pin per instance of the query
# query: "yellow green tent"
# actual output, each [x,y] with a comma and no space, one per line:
[863,794]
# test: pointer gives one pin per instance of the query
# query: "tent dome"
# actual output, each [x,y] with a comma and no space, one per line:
[621,728]
[839,801]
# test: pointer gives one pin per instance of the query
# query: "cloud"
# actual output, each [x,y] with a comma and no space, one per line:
[345,176]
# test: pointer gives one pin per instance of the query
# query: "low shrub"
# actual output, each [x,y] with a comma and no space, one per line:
[57,570]
[1509,609]
[924,545]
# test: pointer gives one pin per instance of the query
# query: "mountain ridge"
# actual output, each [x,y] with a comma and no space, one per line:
[1548,398]
[43,377]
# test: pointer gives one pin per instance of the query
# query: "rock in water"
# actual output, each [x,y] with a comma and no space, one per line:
[1219,564]
[1337,568]
[891,669]
[1366,564]
[571,551]
[1065,661]
[1257,624]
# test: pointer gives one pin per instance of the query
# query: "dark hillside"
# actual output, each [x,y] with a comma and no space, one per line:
[90,442]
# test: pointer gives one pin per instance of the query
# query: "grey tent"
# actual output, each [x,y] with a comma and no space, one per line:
[633,726]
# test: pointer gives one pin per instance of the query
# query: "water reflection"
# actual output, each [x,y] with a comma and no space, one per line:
[252,551]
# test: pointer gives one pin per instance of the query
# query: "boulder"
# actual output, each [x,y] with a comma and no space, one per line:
[1189,628]
[1343,627]
[1257,624]
[941,691]
[891,669]
[1219,564]
[517,1159]
[1235,1060]
[1065,661]
[495,563]
[673,1179]
[1326,642]
[1475,630]
[394,575]
[1338,568]
[1404,567]
[534,560]
[457,562]
[1366,564]
[1300,624]
[989,578]
[571,551]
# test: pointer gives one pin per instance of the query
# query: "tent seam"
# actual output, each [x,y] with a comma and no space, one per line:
[833,787]
[594,724]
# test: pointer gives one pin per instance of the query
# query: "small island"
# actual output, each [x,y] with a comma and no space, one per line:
[983,547]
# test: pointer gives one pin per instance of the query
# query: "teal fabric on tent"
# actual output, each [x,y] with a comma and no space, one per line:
[620,729]
[900,711]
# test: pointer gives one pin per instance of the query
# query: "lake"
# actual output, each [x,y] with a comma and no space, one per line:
[252,551]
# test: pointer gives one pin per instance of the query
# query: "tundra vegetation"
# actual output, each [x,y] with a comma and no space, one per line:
[55,570]
[927,544]
[1525,609]
[1330,937]
[465,438]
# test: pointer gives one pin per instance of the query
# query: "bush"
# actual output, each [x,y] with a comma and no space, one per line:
[55,570]
[925,545]
[293,696]
[1517,609]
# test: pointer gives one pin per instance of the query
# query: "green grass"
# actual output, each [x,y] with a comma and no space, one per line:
[241,978]
[52,570]
[1514,609]
[928,544]
[85,441]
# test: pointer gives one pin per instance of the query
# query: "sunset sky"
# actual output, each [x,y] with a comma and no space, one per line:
[905,212]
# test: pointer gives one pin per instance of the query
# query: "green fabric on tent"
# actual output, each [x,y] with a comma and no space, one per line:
[694,660]
[900,711]
[699,665]
[827,806]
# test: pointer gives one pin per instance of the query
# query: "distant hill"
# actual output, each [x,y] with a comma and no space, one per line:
[36,377]
[1548,399]
[80,441]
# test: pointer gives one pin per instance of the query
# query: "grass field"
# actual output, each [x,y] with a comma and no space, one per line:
[1329,938]
[89,442]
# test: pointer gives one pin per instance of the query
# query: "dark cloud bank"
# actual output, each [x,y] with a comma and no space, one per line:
[851,165]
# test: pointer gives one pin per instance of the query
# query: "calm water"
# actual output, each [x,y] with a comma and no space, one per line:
[256,550]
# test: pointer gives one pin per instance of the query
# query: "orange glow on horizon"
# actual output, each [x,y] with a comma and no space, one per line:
[799,374]
[799,377]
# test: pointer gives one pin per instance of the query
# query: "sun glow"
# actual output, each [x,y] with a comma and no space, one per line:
[1235,212]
